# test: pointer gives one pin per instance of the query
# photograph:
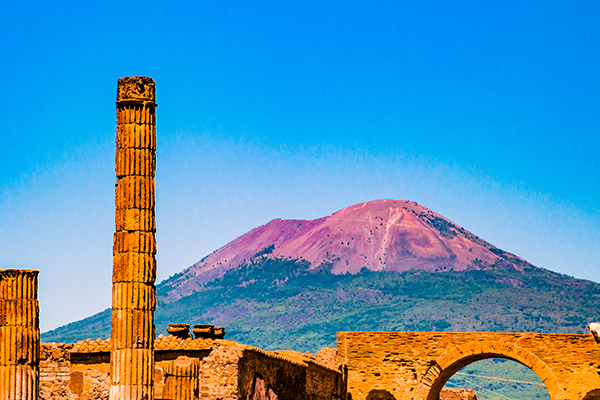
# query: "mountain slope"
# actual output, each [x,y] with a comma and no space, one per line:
[294,284]
[276,303]
[389,235]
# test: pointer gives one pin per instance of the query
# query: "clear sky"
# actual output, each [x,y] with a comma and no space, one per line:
[485,112]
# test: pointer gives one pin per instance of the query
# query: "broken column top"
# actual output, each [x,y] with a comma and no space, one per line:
[15,271]
[18,284]
[136,89]
[209,332]
[179,330]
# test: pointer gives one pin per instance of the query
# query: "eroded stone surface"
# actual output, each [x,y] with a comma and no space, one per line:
[136,88]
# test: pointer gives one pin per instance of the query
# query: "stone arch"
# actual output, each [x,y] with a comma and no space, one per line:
[460,356]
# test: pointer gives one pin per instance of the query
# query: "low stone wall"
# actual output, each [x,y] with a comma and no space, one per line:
[219,371]
[263,377]
[90,381]
[188,369]
[73,376]
[55,371]
[288,375]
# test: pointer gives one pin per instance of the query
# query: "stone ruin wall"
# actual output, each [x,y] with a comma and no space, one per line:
[275,375]
[416,365]
[193,369]
[55,371]
[219,369]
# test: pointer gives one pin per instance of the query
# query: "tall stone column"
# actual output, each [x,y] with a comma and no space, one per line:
[134,250]
[19,335]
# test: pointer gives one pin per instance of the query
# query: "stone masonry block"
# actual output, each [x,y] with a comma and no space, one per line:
[133,219]
[132,367]
[19,345]
[135,162]
[134,242]
[143,114]
[132,329]
[134,136]
[133,296]
[19,313]
[136,89]
[19,382]
[134,267]
[134,192]
[131,392]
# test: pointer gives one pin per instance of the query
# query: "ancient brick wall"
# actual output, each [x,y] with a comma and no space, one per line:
[219,371]
[90,381]
[262,376]
[68,375]
[416,365]
[55,371]
[192,369]
[324,384]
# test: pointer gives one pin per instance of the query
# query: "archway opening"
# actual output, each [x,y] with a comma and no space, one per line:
[496,379]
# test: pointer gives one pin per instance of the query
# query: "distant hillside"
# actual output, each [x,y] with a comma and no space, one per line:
[433,275]
[283,304]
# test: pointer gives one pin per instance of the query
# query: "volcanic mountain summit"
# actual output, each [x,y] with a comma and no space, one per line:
[392,235]
[384,265]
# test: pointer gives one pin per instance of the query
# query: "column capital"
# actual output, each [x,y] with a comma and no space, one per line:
[136,89]
[18,284]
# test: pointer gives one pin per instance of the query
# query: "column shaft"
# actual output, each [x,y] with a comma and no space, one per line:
[19,335]
[134,250]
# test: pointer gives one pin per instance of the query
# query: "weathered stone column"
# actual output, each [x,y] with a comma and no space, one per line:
[134,250]
[19,335]
[181,379]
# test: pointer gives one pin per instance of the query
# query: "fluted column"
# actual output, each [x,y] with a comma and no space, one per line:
[19,335]
[181,379]
[134,250]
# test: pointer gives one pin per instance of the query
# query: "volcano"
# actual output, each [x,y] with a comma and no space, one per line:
[384,265]
[381,235]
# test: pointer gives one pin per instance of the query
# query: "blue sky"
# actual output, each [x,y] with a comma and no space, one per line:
[486,113]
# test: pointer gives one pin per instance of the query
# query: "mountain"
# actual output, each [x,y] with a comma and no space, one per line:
[381,235]
[382,265]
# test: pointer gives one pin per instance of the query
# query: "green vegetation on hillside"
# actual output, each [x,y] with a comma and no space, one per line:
[283,304]
[499,379]
[94,327]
